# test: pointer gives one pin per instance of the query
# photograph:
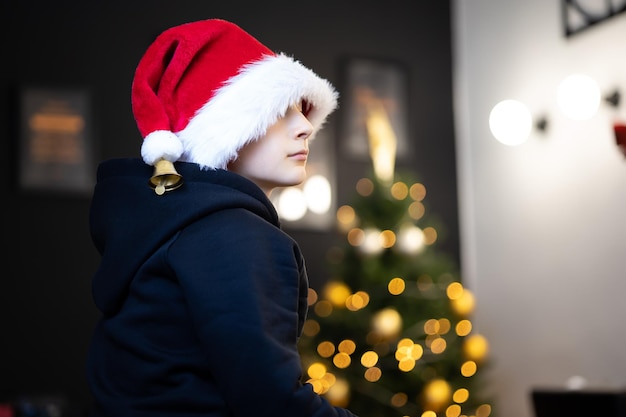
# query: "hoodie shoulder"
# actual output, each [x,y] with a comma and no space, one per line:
[129,221]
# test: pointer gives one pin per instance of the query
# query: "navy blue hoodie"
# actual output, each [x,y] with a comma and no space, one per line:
[203,298]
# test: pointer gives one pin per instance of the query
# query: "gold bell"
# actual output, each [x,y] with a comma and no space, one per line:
[165,177]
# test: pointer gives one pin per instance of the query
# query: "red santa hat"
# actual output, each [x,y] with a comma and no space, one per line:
[205,89]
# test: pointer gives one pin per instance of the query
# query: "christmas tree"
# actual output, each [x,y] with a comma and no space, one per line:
[390,334]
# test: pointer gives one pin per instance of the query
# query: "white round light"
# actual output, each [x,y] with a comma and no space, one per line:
[371,242]
[291,204]
[317,193]
[510,122]
[411,239]
[578,97]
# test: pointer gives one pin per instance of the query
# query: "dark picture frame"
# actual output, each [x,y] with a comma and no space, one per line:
[578,16]
[56,145]
[373,85]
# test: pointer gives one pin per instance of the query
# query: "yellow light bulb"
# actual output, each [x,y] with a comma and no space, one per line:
[437,394]
[337,293]
[475,348]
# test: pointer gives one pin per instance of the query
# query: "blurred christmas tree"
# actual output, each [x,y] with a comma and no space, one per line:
[390,333]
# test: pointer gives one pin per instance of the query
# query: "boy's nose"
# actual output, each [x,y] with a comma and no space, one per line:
[305,128]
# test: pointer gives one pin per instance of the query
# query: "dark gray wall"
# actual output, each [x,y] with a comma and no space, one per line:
[45,301]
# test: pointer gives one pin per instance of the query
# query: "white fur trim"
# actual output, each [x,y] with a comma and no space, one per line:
[161,144]
[249,103]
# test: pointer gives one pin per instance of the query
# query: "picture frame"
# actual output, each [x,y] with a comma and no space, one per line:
[369,86]
[56,144]
[580,15]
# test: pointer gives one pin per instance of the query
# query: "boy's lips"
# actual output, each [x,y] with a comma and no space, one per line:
[303,154]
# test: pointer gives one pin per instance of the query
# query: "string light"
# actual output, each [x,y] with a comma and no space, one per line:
[475,348]
[437,394]
[387,322]
[336,292]
[317,194]
[411,239]
[314,195]
[292,204]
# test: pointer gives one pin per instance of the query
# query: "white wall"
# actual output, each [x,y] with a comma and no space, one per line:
[543,224]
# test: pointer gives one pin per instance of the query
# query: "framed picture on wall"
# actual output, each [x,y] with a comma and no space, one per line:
[374,106]
[55,141]
[580,15]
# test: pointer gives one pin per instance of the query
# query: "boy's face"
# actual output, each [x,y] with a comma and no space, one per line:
[277,159]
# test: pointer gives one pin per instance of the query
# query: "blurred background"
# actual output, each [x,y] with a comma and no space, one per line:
[532,216]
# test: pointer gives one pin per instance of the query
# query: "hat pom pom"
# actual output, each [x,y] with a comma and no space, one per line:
[161,144]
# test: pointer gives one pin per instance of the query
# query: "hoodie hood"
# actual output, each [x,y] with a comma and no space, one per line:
[128,221]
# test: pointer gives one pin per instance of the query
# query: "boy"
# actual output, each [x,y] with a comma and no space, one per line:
[202,295]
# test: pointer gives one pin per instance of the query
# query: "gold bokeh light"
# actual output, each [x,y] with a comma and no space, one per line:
[417,191]
[399,399]
[396,286]
[364,187]
[373,374]
[369,359]
[347,346]
[342,360]
[438,345]
[483,410]
[346,216]
[416,210]
[464,305]
[336,292]
[453,411]
[387,322]
[444,326]
[311,328]
[468,368]
[454,290]
[460,395]
[399,190]
[356,237]
[430,235]
[431,326]
[357,301]
[437,394]
[316,370]
[463,327]
[475,348]
[326,349]
[323,308]
[387,239]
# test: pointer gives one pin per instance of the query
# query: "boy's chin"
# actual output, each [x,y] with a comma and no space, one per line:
[295,179]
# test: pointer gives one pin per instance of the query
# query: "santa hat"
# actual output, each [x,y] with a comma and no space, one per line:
[205,89]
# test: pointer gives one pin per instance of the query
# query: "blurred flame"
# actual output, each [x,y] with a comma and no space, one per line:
[382,138]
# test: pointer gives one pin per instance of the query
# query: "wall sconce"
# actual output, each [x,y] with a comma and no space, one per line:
[614,98]
[619,127]
[578,96]
[511,122]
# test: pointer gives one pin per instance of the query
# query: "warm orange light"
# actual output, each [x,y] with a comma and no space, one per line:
[437,394]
